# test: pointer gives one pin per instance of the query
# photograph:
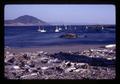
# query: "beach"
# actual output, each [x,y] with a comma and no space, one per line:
[60,62]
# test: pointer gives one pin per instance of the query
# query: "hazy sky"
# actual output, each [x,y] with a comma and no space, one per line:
[81,14]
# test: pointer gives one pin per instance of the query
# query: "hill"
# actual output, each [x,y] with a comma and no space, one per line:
[25,20]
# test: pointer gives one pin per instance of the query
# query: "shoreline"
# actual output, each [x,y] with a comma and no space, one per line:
[90,62]
[55,49]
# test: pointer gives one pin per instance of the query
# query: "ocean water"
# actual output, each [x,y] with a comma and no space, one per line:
[28,36]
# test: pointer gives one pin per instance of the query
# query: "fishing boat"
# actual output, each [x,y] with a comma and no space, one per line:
[102,27]
[57,29]
[86,27]
[60,29]
[41,30]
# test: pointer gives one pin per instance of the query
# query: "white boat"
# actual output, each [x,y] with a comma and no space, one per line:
[41,30]
[60,29]
[86,27]
[57,29]
[102,27]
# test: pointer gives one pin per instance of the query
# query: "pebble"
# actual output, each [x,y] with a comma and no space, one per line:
[7,52]
[16,67]
[109,58]
[44,68]
[54,61]
[28,76]
[40,52]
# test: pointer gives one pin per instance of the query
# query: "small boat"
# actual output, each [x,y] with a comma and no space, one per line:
[86,27]
[57,29]
[60,29]
[102,27]
[41,30]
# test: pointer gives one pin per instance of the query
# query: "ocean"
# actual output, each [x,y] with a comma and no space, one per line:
[28,36]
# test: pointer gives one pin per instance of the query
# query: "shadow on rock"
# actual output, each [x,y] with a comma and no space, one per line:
[85,59]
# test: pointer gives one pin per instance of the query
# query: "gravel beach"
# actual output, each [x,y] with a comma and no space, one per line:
[60,62]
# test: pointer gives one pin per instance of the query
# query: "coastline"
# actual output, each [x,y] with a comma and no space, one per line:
[55,49]
[60,62]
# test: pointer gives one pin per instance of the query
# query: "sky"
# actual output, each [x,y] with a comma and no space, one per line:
[65,14]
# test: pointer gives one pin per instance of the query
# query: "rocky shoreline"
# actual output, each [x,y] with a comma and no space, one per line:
[86,64]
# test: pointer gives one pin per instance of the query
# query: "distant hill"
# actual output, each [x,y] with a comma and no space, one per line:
[25,20]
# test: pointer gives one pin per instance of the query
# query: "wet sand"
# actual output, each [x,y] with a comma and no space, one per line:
[55,49]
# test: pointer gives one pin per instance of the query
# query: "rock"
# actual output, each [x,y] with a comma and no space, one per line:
[34,54]
[29,76]
[109,58]
[9,60]
[32,65]
[80,70]
[27,67]
[25,56]
[70,69]
[68,64]
[110,46]
[33,70]
[69,36]
[45,53]
[16,67]
[40,52]
[44,68]
[59,69]
[44,60]
[54,61]
[81,65]
[77,70]
[17,73]
[7,52]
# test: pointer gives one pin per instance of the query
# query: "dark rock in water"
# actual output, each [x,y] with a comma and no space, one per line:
[72,35]
[69,36]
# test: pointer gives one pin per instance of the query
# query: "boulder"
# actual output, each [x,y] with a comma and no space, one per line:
[44,68]
[81,65]
[44,60]
[9,60]
[16,67]
[69,36]
[29,76]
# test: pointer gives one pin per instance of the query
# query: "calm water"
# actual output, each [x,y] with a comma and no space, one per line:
[30,37]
